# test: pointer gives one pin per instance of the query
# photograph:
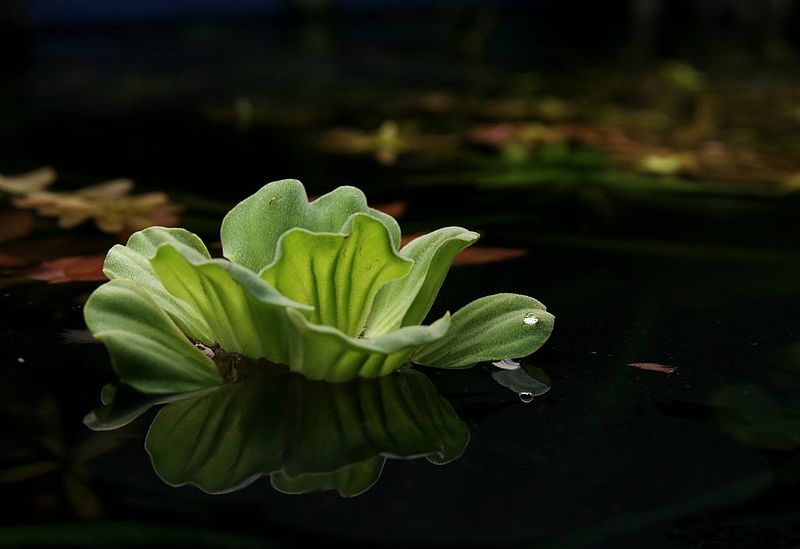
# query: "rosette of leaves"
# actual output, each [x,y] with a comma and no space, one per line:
[323,287]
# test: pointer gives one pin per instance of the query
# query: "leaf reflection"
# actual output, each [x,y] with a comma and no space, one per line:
[306,435]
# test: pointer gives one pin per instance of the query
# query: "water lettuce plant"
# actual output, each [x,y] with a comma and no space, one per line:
[323,287]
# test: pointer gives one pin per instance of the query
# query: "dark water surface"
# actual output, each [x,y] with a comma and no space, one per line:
[704,282]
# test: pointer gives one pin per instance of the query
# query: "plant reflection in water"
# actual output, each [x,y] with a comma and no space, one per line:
[306,435]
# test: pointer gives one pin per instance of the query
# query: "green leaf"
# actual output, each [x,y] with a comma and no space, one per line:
[251,230]
[337,274]
[325,353]
[132,262]
[490,328]
[148,351]
[246,315]
[348,482]
[305,433]
[225,439]
[407,301]
[122,404]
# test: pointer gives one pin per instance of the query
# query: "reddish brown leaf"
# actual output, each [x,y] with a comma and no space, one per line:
[476,255]
[15,224]
[395,209]
[70,269]
[11,261]
[479,255]
[653,367]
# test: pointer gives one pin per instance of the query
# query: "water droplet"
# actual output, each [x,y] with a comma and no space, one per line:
[530,319]
[506,364]
[526,397]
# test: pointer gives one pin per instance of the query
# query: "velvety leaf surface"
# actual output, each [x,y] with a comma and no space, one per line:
[147,349]
[306,433]
[245,314]
[337,274]
[490,328]
[407,301]
[251,230]
[132,262]
[324,353]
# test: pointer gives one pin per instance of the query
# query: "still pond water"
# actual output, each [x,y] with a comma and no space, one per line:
[674,276]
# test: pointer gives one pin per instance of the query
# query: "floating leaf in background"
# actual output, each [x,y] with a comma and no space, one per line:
[653,367]
[666,164]
[15,224]
[527,135]
[395,209]
[69,269]
[109,204]
[25,183]
[477,255]
[482,255]
[388,142]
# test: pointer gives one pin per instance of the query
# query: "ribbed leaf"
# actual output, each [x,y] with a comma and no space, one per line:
[122,404]
[325,353]
[147,349]
[225,439]
[348,482]
[406,302]
[305,433]
[132,262]
[337,274]
[490,328]
[246,315]
[251,230]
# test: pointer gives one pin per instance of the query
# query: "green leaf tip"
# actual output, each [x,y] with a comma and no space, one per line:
[320,286]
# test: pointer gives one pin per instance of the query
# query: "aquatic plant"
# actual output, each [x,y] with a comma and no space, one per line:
[322,287]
